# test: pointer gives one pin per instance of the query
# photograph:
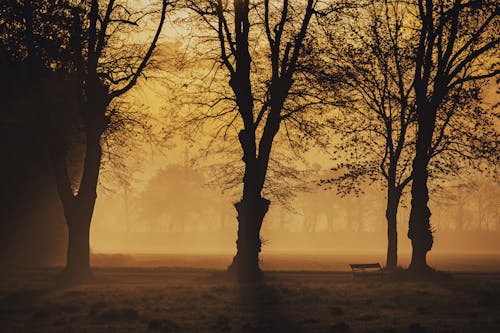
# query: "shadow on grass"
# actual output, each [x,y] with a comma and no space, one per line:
[261,305]
[430,275]
[266,309]
[23,300]
[20,303]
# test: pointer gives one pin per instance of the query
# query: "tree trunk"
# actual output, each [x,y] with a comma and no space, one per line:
[253,207]
[79,211]
[250,216]
[419,230]
[78,256]
[391,212]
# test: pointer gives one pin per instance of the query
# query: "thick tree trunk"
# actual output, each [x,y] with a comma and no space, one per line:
[252,208]
[391,212]
[78,210]
[78,256]
[419,230]
[250,216]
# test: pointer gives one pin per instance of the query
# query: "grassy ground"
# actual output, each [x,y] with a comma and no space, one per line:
[199,300]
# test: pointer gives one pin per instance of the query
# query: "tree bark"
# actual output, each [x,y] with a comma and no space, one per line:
[79,212]
[253,207]
[79,208]
[420,231]
[78,220]
[250,216]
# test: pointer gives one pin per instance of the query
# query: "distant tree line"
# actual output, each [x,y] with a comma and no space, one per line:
[468,205]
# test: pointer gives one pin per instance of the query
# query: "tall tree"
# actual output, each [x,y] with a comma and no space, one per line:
[370,61]
[457,46]
[104,71]
[236,25]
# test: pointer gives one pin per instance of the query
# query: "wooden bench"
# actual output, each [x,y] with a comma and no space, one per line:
[364,270]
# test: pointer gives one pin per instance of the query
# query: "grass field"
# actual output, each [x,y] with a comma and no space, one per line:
[183,299]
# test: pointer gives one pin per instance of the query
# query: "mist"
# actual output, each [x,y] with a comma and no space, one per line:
[249,166]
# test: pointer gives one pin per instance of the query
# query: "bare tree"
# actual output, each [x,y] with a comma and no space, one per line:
[370,62]
[236,24]
[457,41]
[104,71]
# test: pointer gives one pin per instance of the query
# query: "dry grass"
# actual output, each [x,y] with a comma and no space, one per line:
[193,300]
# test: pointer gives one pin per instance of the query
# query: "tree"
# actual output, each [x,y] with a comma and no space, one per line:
[35,78]
[104,72]
[181,185]
[457,41]
[236,25]
[371,63]
[374,66]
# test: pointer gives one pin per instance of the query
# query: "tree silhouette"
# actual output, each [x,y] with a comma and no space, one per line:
[371,64]
[35,78]
[372,61]
[457,41]
[104,71]
[235,25]
[170,193]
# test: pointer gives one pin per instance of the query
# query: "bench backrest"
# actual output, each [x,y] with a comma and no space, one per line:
[359,266]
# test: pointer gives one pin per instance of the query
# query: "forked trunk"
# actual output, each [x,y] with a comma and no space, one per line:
[78,211]
[253,207]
